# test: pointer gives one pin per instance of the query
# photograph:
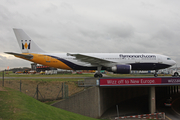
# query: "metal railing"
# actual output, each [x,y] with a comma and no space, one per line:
[158,116]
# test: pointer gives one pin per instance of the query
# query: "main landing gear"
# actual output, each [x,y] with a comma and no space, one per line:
[155,74]
[98,74]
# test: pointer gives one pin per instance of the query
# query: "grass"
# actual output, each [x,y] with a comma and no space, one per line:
[46,79]
[10,74]
[66,77]
[15,105]
[50,102]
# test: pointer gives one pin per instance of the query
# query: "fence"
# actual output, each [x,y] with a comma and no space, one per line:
[88,82]
[159,116]
[44,91]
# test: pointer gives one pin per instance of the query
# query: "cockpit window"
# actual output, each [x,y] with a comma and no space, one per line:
[168,58]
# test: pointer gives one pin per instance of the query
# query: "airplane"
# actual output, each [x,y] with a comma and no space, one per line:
[121,63]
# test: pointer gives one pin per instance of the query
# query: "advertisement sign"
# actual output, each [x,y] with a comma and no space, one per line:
[138,81]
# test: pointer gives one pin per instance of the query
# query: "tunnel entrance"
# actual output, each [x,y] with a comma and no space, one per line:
[129,100]
[132,100]
[130,93]
[105,93]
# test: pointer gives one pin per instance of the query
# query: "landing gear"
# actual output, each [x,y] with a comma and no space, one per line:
[176,74]
[155,74]
[98,74]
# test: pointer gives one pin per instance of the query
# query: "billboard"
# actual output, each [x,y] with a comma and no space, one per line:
[139,81]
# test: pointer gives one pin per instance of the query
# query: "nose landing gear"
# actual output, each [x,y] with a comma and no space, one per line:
[155,74]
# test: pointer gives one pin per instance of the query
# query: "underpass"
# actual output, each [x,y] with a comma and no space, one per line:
[134,106]
[109,92]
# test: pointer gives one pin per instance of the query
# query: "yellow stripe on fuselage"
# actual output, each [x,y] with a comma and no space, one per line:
[46,60]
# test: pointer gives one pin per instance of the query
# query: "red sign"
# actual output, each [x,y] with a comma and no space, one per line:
[129,81]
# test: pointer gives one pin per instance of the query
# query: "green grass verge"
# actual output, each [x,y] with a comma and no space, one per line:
[10,74]
[46,79]
[67,77]
[15,105]
[50,102]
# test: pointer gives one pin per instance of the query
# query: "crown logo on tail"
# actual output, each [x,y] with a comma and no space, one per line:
[26,44]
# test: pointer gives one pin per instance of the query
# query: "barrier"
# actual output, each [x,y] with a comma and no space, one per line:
[158,116]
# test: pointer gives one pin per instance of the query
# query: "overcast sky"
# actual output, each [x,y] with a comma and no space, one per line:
[120,26]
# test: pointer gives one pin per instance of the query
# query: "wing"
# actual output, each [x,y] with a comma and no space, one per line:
[92,60]
[20,55]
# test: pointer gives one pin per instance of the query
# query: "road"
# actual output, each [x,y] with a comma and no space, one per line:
[138,106]
[173,112]
[170,114]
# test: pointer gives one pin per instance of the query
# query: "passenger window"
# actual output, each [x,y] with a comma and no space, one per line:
[168,58]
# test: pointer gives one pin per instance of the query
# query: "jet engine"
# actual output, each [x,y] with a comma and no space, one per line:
[121,69]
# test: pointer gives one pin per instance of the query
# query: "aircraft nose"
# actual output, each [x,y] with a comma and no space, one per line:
[173,62]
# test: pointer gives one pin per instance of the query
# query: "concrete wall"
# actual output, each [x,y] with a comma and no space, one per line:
[84,103]
[94,101]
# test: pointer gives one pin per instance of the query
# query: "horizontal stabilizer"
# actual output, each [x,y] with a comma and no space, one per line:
[21,55]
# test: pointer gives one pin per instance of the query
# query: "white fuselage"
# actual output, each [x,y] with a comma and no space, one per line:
[139,61]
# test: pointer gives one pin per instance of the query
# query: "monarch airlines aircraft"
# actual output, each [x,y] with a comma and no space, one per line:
[121,63]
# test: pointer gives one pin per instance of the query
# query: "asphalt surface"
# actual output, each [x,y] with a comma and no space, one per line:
[173,112]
